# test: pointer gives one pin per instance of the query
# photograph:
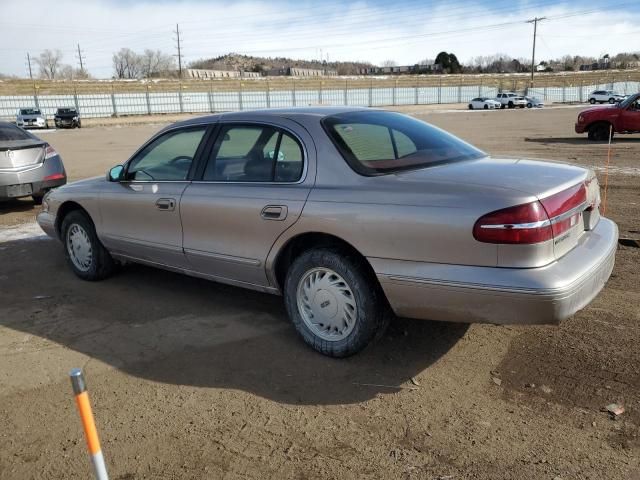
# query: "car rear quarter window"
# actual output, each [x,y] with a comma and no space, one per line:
[375,142]
[10,132]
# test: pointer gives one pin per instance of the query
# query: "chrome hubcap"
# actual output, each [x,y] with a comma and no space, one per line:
[79,247]
[327,304]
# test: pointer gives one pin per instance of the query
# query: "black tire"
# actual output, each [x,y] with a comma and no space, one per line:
[612,101]
[79,124]
[502,106]
[470,107]
[511,105]
[486,107]
[599,132]
[529,105]
[102,264]
[372,313]
[37,199]
[592,101]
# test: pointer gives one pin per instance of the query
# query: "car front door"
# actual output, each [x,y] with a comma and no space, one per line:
[630,117]
[251,187]
[140,216]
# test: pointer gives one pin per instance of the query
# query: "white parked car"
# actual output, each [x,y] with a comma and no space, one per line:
[511,100]
[604,96]
[483,103]
[534,102]
[31,118]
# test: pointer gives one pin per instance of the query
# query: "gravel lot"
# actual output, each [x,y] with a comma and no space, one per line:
[192,379]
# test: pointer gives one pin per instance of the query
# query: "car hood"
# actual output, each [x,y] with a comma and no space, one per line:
[66,115]
[30,117]
[531,177]
[609,109]
[92,184]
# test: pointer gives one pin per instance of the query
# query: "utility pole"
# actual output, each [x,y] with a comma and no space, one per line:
[80,59]
[29,63]
[179,52]
[533,55]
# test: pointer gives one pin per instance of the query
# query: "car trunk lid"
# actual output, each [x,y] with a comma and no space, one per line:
[16,154]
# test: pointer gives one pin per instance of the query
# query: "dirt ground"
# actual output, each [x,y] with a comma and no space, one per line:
[192,379]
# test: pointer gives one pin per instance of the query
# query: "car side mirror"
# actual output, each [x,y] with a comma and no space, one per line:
[115,174]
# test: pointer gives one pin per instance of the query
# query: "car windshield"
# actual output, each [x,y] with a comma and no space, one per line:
[629,100]
[66,111]
[11,132]
[385,142]
[29,111]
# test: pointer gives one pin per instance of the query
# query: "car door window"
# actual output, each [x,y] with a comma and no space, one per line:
[254,153]
[168,158]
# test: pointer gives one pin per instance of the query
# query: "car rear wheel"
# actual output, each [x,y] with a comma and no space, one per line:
[470,107]
[502,106]
[84,252]
[592,101]
[37,199]
[336,306]
[486,107]
[599,132]
[511,105]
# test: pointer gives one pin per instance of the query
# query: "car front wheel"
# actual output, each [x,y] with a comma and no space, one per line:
[592,101]
[84,252]
[334,302]
[486,107]
[599,132]
[529,105]
[612,100]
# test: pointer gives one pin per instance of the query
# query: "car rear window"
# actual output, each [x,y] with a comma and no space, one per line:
[11,132]
[375,142]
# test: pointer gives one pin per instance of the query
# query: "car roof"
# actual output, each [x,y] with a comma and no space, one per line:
[315,111]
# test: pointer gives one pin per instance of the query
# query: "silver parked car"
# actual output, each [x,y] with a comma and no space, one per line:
[29,166]
[31,118]
[346,212]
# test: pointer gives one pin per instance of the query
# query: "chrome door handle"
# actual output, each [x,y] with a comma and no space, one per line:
[168,204]
[274,212]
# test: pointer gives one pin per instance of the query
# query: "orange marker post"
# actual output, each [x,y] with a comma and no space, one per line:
[88,423]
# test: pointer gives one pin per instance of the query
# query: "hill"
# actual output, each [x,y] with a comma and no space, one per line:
[234,61]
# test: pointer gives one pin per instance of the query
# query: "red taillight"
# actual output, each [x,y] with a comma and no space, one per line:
[527,223]
[49,152]
[533,222]
[55,176]
[564,208]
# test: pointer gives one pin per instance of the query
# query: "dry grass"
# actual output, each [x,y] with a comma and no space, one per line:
[503,81]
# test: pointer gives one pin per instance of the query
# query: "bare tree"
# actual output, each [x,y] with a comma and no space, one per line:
[155,63]
[49,63]
[389,63]
[126,63]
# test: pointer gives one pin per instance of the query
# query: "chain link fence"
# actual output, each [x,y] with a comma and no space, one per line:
[121,98]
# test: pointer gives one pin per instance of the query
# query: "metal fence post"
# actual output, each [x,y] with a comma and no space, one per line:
[148,101]
[564,91]
[268,95]
[35,96]
[210,97]
[320,93]
[415,100]
[75,97]
[240,97]
[113,101]
[440,91]
[480,88]
[460,91]
[293,92]
[395,88]
[180,97]
[581,88]
[371,92]
[346,86]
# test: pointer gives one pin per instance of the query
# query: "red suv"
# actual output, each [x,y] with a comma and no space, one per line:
[624,117]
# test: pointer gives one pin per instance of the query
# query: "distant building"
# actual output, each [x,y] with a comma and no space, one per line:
[207,74]
[301,72]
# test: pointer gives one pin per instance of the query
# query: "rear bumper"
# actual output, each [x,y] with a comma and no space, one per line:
[31,181]
[466,294]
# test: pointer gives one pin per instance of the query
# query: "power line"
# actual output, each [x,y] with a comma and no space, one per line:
[535,21]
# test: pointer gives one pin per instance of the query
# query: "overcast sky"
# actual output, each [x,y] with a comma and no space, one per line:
[406,31]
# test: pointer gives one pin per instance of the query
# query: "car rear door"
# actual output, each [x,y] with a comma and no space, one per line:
[140,216]
[252,185]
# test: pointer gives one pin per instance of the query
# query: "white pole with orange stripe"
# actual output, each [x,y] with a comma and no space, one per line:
[89,425]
